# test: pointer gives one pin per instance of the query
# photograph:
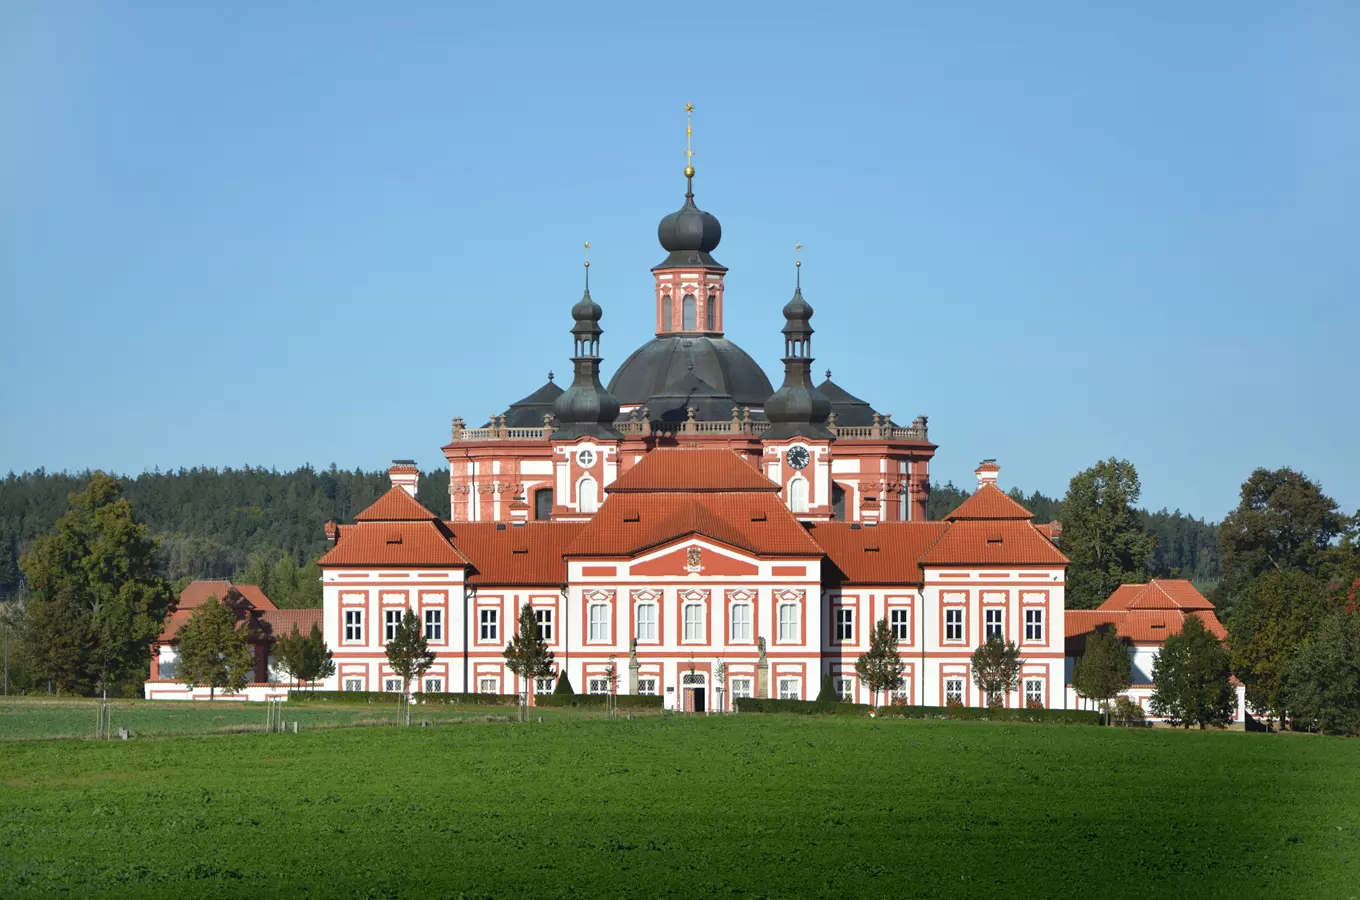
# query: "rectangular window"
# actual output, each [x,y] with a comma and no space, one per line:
[392,685]
[391,619]
[354,626]
[646,622]
[1034,624]
[434,624]
[434,685]
[487,686]
[544,684]
[741,687]
[1034,692]
[789,631]
[354,684]
[694,622]
[953,625]
[647,687]
[845,625]
[992,623]
[599,623]
[844,688]
[953,690]
[900,622]
[741,623]
[544,618]
[598,686]
[788,689]
[490,625]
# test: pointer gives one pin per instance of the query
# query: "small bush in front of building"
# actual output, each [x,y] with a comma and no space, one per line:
[1128,713]
[444,699]
[563,684]
[992,714]
[639,702]
[346,698]
[800,707]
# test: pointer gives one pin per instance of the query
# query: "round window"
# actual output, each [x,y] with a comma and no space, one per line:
[586,458]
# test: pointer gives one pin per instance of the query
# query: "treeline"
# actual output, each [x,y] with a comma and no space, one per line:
[1186,547]
[255,525]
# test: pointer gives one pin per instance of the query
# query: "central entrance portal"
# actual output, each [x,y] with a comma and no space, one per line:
[695,693]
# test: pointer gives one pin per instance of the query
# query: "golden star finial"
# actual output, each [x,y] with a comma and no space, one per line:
[689,134]
[587,254]
[798,255]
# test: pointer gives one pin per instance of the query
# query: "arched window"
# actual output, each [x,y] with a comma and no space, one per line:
[838,503]
[587,500]
[798,495]
[543,504]
[711,312]
[687,310]
[666,315]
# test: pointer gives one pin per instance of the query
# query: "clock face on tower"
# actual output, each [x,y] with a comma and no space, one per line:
[799,456]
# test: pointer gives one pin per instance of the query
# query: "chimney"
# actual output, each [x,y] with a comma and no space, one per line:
[868,510]
[987,472]
[405,475]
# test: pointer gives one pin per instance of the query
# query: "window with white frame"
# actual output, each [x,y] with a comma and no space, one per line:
[694,622]
[798,495]
[953,624]
[992,623]
[1034,692]
[741,687]
[845,688]
[646,622]
[953,690]
[392,685]
[741,623]
[845,624]
[434,624]
[391,619]
[488,686]
[354,684]
[354,626]
[1034,624]
[598,686]
[899,620]
[789,689]
[789,630]
[599,623]
[544,618]
[647,687]
[489,625]
[544,684]
[587,498]
[434,685]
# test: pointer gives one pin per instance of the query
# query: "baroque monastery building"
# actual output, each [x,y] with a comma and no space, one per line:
[687,515]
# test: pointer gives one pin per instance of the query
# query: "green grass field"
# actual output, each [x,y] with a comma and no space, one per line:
[748,806]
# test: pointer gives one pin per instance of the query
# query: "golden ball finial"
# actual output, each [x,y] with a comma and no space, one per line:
[689,171]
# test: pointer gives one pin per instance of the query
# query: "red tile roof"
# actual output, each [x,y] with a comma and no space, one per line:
[396,506]
[756,521]
[888,553]
[528,554]
[996,542]
[1152,626]
[989,502]
[267,624]
[692,470]
[1123,596]
[1169,593]
[392,543]
[195,593]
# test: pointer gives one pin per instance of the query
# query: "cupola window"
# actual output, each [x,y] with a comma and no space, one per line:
[689,313]
[666,313]
[711,312]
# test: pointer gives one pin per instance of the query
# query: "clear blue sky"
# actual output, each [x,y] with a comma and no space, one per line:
[304,232]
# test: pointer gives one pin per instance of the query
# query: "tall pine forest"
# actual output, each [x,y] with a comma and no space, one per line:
[262,526]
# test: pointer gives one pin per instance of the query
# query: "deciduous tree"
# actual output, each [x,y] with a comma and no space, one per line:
[1324,684]
[996,669]
[1102,533]
[213,650]
[408,653]
[1191,676]
[880,667]
[527,653]
[1104,668]
[1274,614]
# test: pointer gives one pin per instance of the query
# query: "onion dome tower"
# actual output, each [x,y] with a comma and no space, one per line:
[798,409]
[586,409]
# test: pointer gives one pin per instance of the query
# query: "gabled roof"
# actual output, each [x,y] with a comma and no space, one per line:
[989,502]
[1152,626]
[396,506]
[754,521]
[1169,593]
[528,554]
[195,593]
[994,542]
[392,543]
[887,553]
[1123,596]
[691,471]
[259,624]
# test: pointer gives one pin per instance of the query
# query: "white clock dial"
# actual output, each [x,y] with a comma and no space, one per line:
[799,456]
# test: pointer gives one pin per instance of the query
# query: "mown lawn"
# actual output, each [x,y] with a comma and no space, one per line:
[749,806]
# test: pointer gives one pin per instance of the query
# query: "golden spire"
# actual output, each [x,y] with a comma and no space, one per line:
[798,266]
[587,270]
[689,134]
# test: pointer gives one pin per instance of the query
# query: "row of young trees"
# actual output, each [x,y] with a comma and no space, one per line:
[214,650]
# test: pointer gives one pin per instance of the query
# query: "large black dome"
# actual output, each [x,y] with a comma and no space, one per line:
[664,361]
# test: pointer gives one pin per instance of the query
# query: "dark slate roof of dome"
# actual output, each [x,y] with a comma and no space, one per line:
[528,412]
[850,410]
[665,360]
[689,235]
[672,403]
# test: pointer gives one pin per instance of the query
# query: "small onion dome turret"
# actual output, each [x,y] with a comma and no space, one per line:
[798,408]
[586,409]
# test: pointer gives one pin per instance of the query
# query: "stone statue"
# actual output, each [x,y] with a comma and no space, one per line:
[760,642]
[632,649]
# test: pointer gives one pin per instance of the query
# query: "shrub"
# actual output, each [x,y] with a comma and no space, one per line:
[1127,712]
[597,701]
[954,703]
[353,698]
[800,707]
[828,692]
[992,714]
[1034,704]
[445,699]
[563,684]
